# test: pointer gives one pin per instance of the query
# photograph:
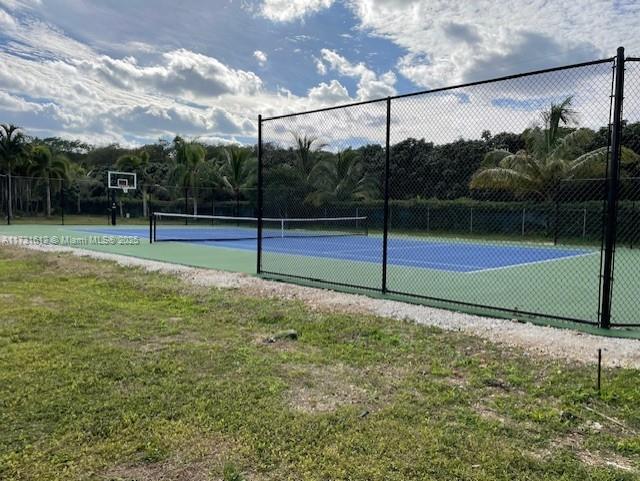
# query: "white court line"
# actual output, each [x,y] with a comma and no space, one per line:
[555,259]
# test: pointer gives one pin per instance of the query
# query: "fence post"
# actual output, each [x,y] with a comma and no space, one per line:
[113,207]
[385,232]
[613,180]
[260,199]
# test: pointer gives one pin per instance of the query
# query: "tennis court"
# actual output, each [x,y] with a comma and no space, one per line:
[525,277]
[442,255]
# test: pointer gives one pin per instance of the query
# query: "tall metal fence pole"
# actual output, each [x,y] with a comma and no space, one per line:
[613,181]
[260,199]
[113,206]
[385,232]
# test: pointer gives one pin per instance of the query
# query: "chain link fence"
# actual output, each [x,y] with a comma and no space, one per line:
[492,196]
[625,304]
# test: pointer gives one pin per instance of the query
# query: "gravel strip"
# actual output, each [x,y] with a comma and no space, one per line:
[547,342]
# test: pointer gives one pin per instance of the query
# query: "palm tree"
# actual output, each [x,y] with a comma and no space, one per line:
[551,157]
[238,172]
[138,163]
[342,178]
[48,165]
[189,160]
[81,183]
[13,148]
[306,158]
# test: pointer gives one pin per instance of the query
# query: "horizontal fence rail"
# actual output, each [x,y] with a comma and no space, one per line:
[518,195]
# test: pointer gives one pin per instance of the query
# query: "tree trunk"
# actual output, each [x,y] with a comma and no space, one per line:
[78,203]
[145,207]
[195,202]
[186,200]
[237,204]
[9,205]
[48,197]
[29,200]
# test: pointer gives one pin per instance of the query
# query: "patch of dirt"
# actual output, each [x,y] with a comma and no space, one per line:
[40,301]
[489,414]
[203,463]
[158,343]
[324,388]
[67,265]
[163,471]
[608,460]
[15,253]
[316,389]
[574,442]
[457,380]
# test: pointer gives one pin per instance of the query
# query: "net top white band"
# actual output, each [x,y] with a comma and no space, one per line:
[255,219]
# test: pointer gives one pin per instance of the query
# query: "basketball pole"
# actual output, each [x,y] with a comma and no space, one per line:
[113,206]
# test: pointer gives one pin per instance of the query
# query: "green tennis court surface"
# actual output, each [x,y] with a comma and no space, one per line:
[564,284]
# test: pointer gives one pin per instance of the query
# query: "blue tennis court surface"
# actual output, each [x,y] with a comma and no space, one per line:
[442,255]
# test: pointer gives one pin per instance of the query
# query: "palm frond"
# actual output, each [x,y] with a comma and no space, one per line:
[494,157]
[499,178]
[590,164]
[572,145]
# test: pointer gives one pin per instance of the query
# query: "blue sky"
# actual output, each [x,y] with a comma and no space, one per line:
[133,71]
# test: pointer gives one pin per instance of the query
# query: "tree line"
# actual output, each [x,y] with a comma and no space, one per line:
[533,164]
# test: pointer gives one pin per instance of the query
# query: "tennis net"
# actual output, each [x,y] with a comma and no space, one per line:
[187,228]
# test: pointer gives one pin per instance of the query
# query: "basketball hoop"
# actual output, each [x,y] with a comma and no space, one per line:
[123,181]
[124,185]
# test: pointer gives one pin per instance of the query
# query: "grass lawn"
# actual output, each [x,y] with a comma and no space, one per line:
[108,373]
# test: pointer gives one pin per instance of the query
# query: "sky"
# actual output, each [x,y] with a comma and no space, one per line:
[134,71]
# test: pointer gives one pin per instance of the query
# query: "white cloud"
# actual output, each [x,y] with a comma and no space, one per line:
[51,91]
[370,85]
[321,68]
[20,4]
[261,57]
[101,99]
[7,23]
[181,72]
[456,42]
[329,94]
[289,10]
